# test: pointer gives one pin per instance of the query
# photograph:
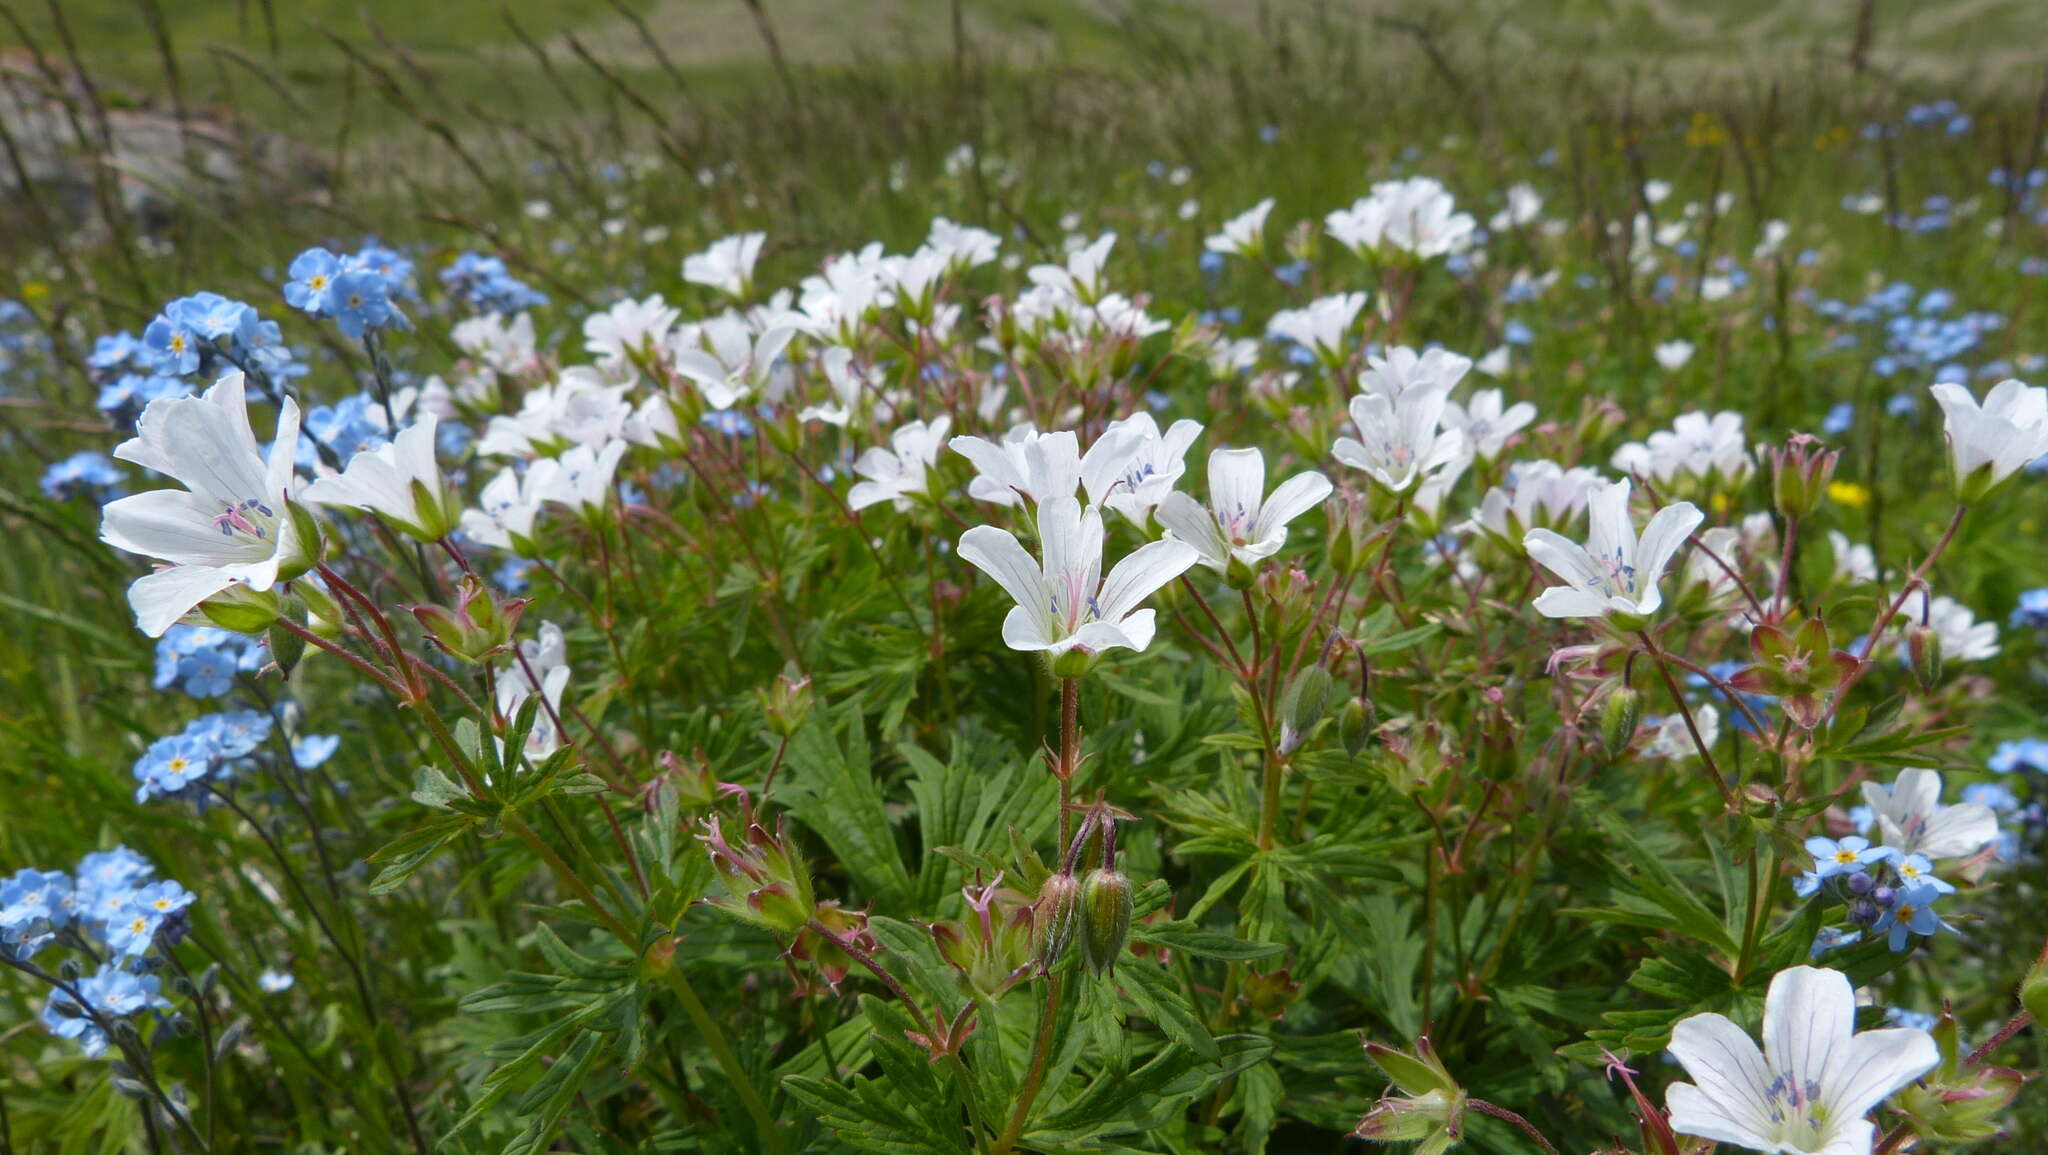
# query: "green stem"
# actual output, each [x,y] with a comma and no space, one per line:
[1041,1055]
[729,1062]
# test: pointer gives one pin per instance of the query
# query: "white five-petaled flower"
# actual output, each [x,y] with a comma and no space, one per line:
[1808,1090]
[895,473]
[1415,216]
[848,383]
[737,363]
[1697,446]
[1037,467]
[1065,603]
[507,508]
[628,328]
[1963,637]
[1401,369]
[1613,572]
[399,482]
[1320,325]
[545,669]
[1241,521]
[1244,234]
[1912,820]
[229,525]
[964,245]
[728,265]
[1672,355]
[1399,441]
[1988,444]
[1142,464]
[580,479]
[1487,421]
[1081,277]
[1537,494]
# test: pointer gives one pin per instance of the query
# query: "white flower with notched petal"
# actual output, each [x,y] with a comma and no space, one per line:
[1399,441]
[1244,234]
[1699,448]
[965,246]
[506,511]
[653,424]
[896,473]
[229,525]
[1912,820]
[1037,467]
[730,363]
[1081,277]
[1133,466]
[1241,522]
[580,479]
[1487,421]
[399,482]
[1808,1090]
[1402,369]
[1065,604]
[1612,573]
[1319,326]
[544,669]
[728,265]
[1988,444]
[628,329]
[1537,495]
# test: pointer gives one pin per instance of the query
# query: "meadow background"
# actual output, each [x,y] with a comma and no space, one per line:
[593,143]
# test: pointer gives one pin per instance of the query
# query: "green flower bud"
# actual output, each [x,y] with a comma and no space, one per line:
[2034,991]
[1105,918]
[1619,717]
[1055,918]
[1306,700]
[286,648]
[478,627]
[1923,646]
[1354,725]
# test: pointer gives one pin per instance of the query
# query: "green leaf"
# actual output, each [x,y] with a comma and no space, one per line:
[405,855]
[832,790]
[1157,995]
[1190,939]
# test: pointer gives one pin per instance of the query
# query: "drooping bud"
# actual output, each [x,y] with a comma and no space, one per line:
[1106,906]
[764,878]
[1056,917]
[1431,1106]
[1620,714]
[1306,700]
[824,952]
[1923,647]
[1354,725]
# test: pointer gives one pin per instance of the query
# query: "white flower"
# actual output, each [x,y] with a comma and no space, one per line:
[1698,447]
[1244,234]
[507,509]
[1655,191]
[1808,1090]
[848,384]
[915,277]
[1537,494]
[1240,521]
[1415,216]
[1081,278]
[1673,355]
[545,670]
[1034,466]
[653,423]
[1319,326]
[895,473]
[229,525]
[1402,369]
[1524,204]
[580,479]
[1912,820]
[728,265]
[1612,572]
[399,482]
[964,245]
[1485,424]
[1963,637]
[1496,363]
[1399,441]
[579,409]
[1670,738]
[1722,541]
[1065,604]
[1142,467]
[1854,563]
[507,347]
[1988,444]
[628,328]
[737,365]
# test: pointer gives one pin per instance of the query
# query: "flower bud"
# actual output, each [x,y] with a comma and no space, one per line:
[765,880]
[1800,476]
[1354,725]
[1619,717]
[478,627]
[1106,902]
[1859,884]
[1306,700]
[286,648]
[2034,991]
[786,704]
[1431,1105]
[1923,647]
[1055,918]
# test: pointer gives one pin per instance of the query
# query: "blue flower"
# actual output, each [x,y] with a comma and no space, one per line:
[1832,857]
[309,751]
[116,351]
[1211,263]
[173,347]
[2020,754]
[236,734]
[272,982]
[172,764]
[1911,913]
[1839,419]
[1914,870]
[1832,938]
[312,279]
[86,473]
[1516,333]
[113,993]
[34,905]
[2032,610]
[360,301]
[207,673]
[1912,1020]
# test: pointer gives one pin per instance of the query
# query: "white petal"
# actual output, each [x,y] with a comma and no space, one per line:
[1667,531]
[1140,575]
[999,555]
[1726,1065]
[161,598]
[1296,496]
[1187,520]
[1237,483]
[1808,1015]
[1694,1113]
[1874,1064]
[1566,602]
[1957,831]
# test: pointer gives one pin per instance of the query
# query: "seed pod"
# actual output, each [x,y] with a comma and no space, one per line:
[1057,915]
[1105,918]
[1619,717]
